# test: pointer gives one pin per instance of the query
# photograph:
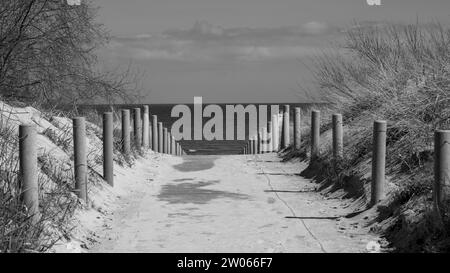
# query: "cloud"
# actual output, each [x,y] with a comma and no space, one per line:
[204,31]
[206,42]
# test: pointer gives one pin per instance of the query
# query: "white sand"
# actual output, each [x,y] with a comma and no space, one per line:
[228,204]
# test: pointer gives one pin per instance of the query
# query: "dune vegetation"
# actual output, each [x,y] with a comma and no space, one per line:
[401,74]
[48,60]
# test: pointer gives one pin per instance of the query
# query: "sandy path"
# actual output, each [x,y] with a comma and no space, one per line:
[231,204]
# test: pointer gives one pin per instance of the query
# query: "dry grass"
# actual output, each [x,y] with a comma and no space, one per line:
[17,232]
[57,201]
[399,73]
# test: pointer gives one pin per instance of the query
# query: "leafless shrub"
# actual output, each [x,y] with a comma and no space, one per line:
[47,55]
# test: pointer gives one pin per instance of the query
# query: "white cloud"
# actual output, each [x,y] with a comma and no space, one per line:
[205,42]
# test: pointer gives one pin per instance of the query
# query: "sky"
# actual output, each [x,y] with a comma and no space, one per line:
[237,51]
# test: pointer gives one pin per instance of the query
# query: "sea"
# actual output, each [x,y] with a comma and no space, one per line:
[200,147]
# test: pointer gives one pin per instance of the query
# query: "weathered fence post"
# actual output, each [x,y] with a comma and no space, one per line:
[160,138]
[108,146]
[28,170]
[173,143]
[80,158]
[170,142]
[315,134]
[137,128]
[441,190]
[269,137]
[150,135]
[378,161]
[126,146]
[275,134]
[155,133]
[145,126]
[165,138]
[297,128]
[338,137]
[260,142]
[286,133]
[264,139]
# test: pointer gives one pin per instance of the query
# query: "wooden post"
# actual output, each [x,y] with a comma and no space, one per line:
[165,139]
[28,170]
[338,137]
[259,142]
[286,133]
[441,190]
[155,133]
[378,161]
[264,140]
[137,128]
[126,146]
[108,146]
[160,137]
[269,137]
[315,134]
[80,159]
[173,143]
[275,134]
[169,139]
[150,135]
[297,128]
[145,127]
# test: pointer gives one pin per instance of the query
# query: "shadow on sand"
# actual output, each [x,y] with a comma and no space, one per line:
[182,193]
[196,163]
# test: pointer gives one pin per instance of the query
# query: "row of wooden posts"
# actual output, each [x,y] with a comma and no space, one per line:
[146,135]
[267,140]
[154,136]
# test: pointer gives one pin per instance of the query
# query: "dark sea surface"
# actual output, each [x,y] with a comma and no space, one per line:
[199,147]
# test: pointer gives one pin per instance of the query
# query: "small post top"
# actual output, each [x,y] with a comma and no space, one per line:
[125,110]
[79,118]
[108,113]
[380,125]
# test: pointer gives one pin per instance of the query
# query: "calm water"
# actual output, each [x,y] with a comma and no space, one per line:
[199,147]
